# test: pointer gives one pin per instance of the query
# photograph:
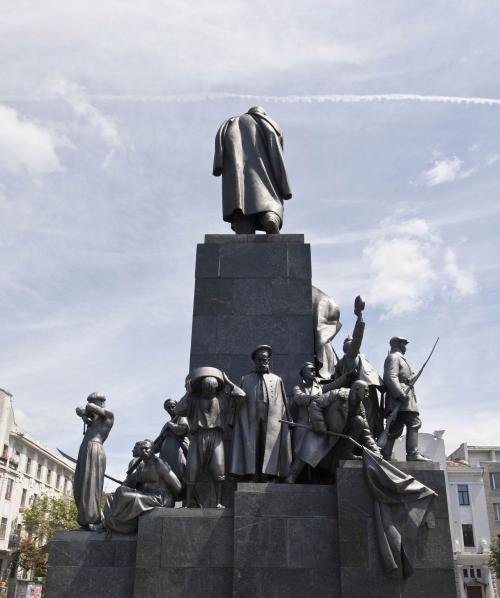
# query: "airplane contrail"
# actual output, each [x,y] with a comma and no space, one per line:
[285,99]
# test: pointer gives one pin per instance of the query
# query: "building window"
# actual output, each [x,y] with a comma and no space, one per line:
[468,534]
[496,507]
[463,495]
[14,460]
[466,573]
[478,573]
[3,528]
[8,489]
[58,482]
[5,453]
[49,475]
[28,465]
[495,480]
[39,471]
[24,497]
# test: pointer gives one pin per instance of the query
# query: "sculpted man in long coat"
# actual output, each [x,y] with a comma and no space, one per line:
[261,445]
[249,156]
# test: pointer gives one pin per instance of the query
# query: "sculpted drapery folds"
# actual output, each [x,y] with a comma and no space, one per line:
[91,463]
[249,156]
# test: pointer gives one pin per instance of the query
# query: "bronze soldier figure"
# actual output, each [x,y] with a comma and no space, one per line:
[173,442]
[398,376]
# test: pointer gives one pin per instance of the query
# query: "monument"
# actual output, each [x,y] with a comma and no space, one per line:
[300,501]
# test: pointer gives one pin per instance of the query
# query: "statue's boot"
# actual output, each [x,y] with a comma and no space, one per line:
[219,486]
[412,453]
[387,450]
[295,470]
[270,222]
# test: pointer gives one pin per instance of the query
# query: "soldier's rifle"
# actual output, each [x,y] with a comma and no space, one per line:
[382,441]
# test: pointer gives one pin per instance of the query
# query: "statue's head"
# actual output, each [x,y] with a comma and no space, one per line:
[347,344]
[256,110]
[398,343]
[308,371]
[136,450]
[145,449]
[261,357]
[209,386]
[97,398]
[169,406]
[360,390]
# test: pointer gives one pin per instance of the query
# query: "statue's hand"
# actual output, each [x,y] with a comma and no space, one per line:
[80,411]
[226,379]
[359,306]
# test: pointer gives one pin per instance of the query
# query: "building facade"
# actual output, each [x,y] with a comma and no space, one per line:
[472,498]
[27,470]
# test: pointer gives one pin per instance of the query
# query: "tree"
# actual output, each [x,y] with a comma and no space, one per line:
[45,517]
[494,562]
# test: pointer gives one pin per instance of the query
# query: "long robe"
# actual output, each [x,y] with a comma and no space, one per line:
[278,450]
[89,481]
[249,155]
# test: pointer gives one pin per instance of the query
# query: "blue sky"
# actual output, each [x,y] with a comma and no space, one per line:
[108,111]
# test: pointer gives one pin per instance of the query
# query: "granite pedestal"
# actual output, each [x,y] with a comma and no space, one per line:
[251,290]
[290,541]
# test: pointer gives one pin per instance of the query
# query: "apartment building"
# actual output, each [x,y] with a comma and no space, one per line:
[27,469]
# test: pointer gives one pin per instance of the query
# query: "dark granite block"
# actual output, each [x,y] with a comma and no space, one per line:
[248,260]
[260,542]
[252,296]
[207,261]
[359,582]
[125,554]
[241,334]
[429,583]
[190,541]
[213,296]
[353,541]
[257,238]
[299,261]
[354,497]
[281,500]
[434,549]
[300,333]
[291,296]
[197,583]
[204,335]
[149,537]
[90,582]
[272,583]
[312,542]
[149,583]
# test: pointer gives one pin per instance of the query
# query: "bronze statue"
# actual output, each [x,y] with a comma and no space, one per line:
[151,484]
[173,442]
[249,156]
[91,462]
[353,359]
[261,445]
[309,445]
[399,379]
[205,405]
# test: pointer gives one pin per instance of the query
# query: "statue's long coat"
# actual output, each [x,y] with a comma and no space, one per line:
[249,155]
[278,453]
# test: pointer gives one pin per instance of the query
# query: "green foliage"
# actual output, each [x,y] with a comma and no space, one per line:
[45,517]
[494,562]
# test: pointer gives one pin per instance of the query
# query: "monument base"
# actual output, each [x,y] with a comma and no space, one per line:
[278,540]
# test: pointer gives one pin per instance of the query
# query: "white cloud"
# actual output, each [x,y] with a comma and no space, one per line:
[445,170]
[463,280]
[406,267]
[25,147]
[78,100]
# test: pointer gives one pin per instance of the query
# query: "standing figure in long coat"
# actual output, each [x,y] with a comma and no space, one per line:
[91,463]
[261,445]
[249,156]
